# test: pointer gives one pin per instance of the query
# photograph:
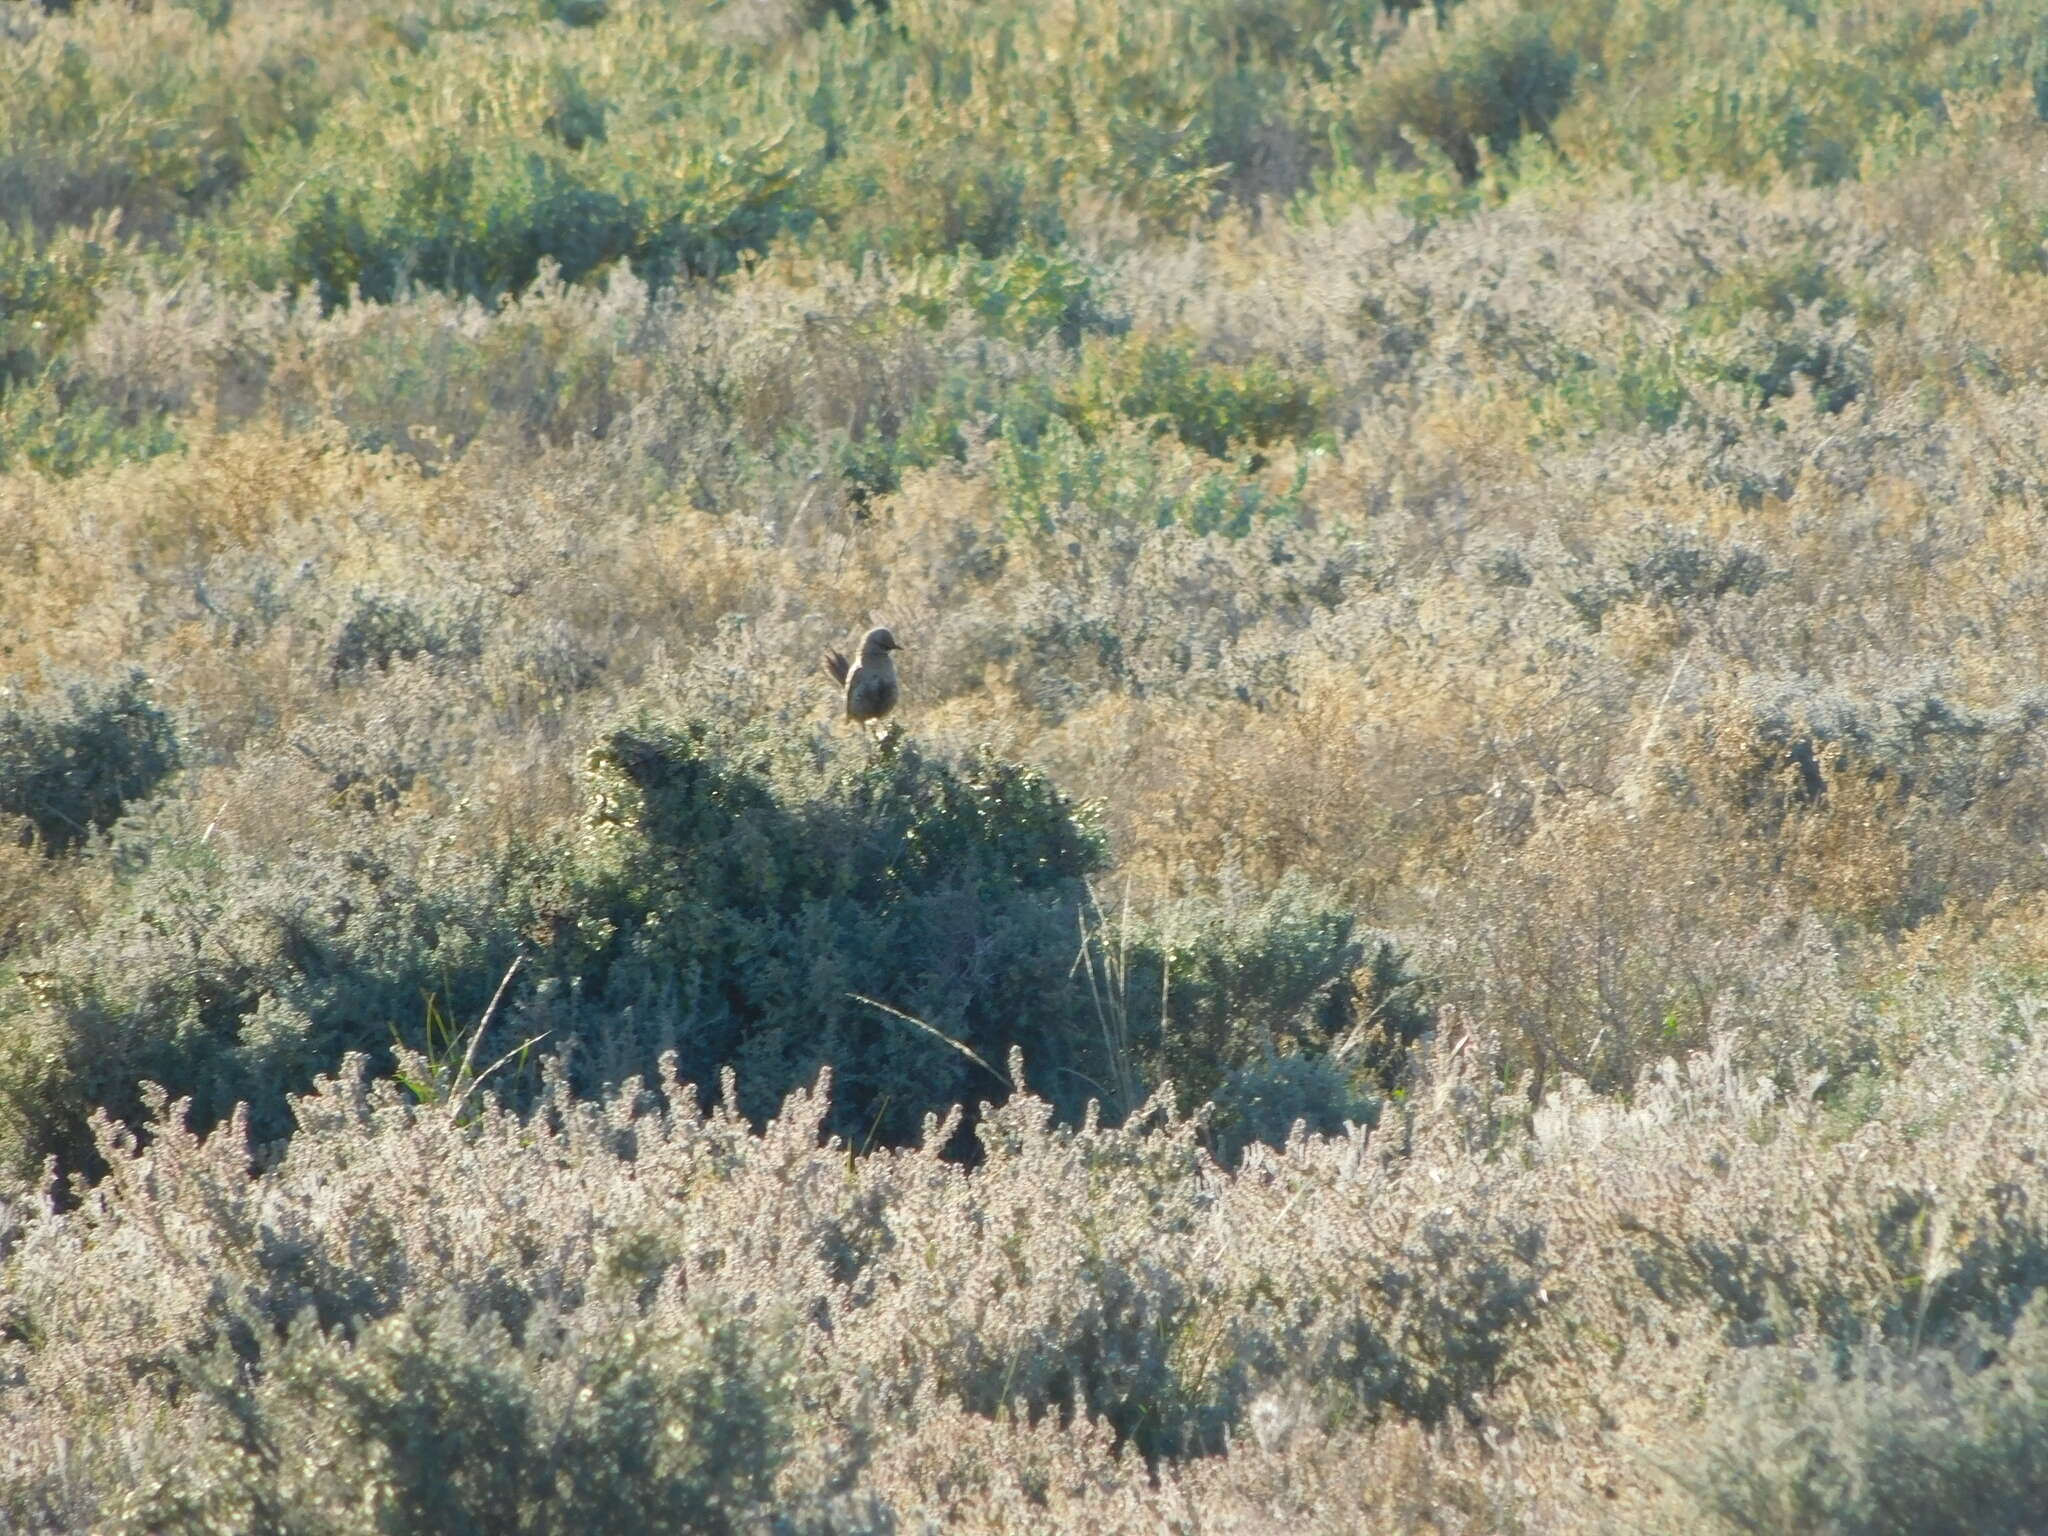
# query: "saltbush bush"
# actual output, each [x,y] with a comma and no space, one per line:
[752,901]
[1239,975]
[1023,295]
[1951,1439]
[380,630]
[1272,1099]
[48,292]
[1213,407]
[1059,476]
[1477,84]
[431,1419]
[70,767]
[1914,737]
[53,426]
[233,980]
[745,898]
[552,176]
[1673,569]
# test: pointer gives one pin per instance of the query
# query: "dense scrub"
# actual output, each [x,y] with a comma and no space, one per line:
[1452,557]
[735,898]
[1720,1307]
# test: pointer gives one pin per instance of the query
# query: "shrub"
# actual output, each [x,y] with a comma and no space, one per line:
[154,114]
[743,897]
[1911,737]
[1022,295]
[738,897]
[1060,477]
[1242,976]
[965,404]
[1272,1098]
[380,630]
[1643,386]
[1938,1440]
[69,769]
[1482,80]
[48,293]
[1674,570]
[427,1419]
[53,425]
[492,187]
[1213,407]
[965,190]
[235,979]
[746,893]
[2016,231]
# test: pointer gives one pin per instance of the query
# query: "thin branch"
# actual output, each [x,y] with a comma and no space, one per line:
[936,1034]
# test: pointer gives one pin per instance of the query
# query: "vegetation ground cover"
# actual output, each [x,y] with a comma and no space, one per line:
[1453,934]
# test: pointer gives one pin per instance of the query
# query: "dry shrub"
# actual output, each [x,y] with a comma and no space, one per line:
[1521,1319]
[1606,568]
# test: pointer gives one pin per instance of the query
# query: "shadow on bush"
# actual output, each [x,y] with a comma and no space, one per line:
[740,898]
[749,898]
[68,770]
[429,1419]
[1910,736]
[1939,1440]
[1277,1008]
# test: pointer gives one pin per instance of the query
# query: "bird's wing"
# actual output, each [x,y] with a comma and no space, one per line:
[871,694]
[835,667]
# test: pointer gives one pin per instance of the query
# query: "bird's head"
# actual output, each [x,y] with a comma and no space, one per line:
[878,642]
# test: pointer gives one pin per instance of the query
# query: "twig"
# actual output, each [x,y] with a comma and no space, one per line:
[936,1034]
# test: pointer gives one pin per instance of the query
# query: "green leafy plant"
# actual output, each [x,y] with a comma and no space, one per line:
[71,767]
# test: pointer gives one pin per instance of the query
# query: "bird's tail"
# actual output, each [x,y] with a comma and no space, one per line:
[835,667]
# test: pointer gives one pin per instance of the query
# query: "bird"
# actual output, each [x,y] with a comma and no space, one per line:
[870,683]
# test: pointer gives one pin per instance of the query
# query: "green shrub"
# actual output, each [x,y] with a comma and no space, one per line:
[1802,111]
[744,892]
[1213,407]
[1911,736]
[962,191]
[1481,81]
[1053,476]
[1265,1100]
[149,116]
[1772,363]
[429,1420]
[745,897]
[1772,327]
[1673,570]
[470,223]
[380,630]
[48,293]
[1644,386]
[1253,990]
[1022,295]
[58,428]
[2017,233]
[447,176]
[69,769]
[738,892]
[964,402]
[577,13]
[233,979]
[1940,1440]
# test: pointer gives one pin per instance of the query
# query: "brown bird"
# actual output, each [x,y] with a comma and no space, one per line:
[870,683]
